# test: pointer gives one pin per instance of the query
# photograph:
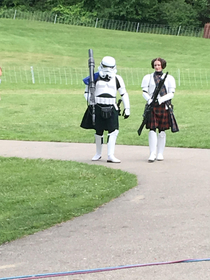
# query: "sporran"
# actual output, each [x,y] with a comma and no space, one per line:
[106,112]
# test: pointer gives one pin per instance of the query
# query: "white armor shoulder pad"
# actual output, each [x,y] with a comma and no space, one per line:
[171,82]
[145,81]
[120,80]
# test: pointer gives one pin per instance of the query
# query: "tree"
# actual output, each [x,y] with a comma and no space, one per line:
[168,12]
[178,12]
[41,5]
[202,8]
[129,10]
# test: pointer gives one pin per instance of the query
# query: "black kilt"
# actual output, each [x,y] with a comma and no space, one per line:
[101,123]
[160,118]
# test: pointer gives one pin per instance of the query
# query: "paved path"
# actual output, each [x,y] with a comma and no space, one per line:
[165,218]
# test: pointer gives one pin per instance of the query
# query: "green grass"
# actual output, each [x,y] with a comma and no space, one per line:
[37,43]
[36,194]
[55,115]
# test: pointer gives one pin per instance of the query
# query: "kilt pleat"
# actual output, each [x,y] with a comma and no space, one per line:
[101,123]
[159,118]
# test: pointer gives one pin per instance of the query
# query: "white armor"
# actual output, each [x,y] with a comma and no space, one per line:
[106,89]
[157,143]
[148,87]
[107,67]
[106,92]
[107,83]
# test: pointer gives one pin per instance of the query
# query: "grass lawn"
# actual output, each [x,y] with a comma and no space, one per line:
[36,194]
[55,115]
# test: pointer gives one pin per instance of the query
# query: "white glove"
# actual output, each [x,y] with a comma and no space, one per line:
[160,101]
[149,101]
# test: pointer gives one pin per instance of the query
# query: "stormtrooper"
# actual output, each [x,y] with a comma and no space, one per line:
[107,84]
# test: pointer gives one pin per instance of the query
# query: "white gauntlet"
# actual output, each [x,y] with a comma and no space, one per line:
[86,94]
[146,95]
[165,97]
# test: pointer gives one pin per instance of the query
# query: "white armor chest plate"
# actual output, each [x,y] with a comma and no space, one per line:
[103,87]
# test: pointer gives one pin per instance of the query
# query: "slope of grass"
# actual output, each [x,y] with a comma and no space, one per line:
[37,43]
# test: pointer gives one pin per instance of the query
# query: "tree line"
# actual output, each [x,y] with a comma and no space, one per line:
[193,13]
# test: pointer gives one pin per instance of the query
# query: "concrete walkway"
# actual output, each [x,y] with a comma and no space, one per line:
[165,218]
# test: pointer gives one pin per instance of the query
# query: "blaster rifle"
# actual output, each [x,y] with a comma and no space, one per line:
[149,107]
[91,65]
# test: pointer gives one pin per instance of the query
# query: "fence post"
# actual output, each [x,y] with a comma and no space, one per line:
[179,30]
[96,22]
[137,29]
[15,14]
[32,75]
[55,18]
[179,83]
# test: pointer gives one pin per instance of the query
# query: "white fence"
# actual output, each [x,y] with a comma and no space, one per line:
[104,23]
[196,78]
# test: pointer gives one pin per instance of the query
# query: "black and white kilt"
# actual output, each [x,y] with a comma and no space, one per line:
[160,118]
[101,123]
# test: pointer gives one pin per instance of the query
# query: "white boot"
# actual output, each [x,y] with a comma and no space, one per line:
[112,137]
[161,145]
[99,143]
[152,145]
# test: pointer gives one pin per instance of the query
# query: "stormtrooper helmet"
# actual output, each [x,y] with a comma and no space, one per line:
[107,67]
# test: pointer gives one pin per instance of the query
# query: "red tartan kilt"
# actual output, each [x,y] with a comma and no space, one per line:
[159,118]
